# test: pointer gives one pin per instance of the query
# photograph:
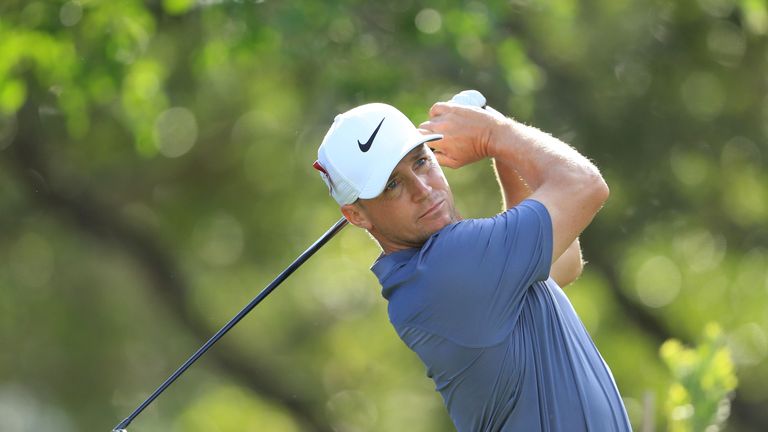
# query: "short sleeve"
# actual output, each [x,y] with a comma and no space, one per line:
[481,269]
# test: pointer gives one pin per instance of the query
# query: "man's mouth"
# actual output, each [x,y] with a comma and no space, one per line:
[432,210]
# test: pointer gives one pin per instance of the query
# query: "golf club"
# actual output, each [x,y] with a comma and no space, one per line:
[121,427]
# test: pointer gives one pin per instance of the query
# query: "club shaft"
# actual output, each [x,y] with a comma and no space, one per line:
[265,292]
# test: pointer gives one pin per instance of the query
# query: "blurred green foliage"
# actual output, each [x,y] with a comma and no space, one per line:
[698,399]
[155,173]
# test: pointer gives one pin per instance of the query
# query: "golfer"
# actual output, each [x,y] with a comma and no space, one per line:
[479,300]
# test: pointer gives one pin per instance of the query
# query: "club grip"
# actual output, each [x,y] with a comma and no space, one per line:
[474,98]
[469,97]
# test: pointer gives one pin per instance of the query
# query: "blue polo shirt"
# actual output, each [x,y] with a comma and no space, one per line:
[500,339]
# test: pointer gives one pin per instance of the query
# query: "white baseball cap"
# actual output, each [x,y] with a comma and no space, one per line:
[361,149]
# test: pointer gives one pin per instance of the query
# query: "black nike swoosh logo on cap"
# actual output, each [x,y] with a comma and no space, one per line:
[365,147]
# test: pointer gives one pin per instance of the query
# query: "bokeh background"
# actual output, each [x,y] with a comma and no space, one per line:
[155,174]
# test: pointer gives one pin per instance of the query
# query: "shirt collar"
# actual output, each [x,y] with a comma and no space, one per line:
[385,264]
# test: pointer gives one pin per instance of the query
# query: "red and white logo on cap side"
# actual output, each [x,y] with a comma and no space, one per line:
[324,174]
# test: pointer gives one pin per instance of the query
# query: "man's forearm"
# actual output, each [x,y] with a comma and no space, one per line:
[569,266]
[535,156]
[513,187]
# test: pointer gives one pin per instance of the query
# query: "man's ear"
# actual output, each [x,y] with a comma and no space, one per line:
[355,214]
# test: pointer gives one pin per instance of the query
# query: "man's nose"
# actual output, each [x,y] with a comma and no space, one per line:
[420,189]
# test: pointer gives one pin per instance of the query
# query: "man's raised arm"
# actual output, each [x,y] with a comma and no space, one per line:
[567,183]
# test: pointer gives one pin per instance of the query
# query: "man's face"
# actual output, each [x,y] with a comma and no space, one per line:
[416,203]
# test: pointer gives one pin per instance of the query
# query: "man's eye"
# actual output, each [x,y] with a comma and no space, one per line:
[392,185]
[423,162]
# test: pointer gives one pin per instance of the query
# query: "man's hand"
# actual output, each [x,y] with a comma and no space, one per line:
[467,133]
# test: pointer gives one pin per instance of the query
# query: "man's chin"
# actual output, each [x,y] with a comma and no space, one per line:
[437,224]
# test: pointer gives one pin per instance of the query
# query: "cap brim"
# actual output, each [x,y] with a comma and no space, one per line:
[378,179]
